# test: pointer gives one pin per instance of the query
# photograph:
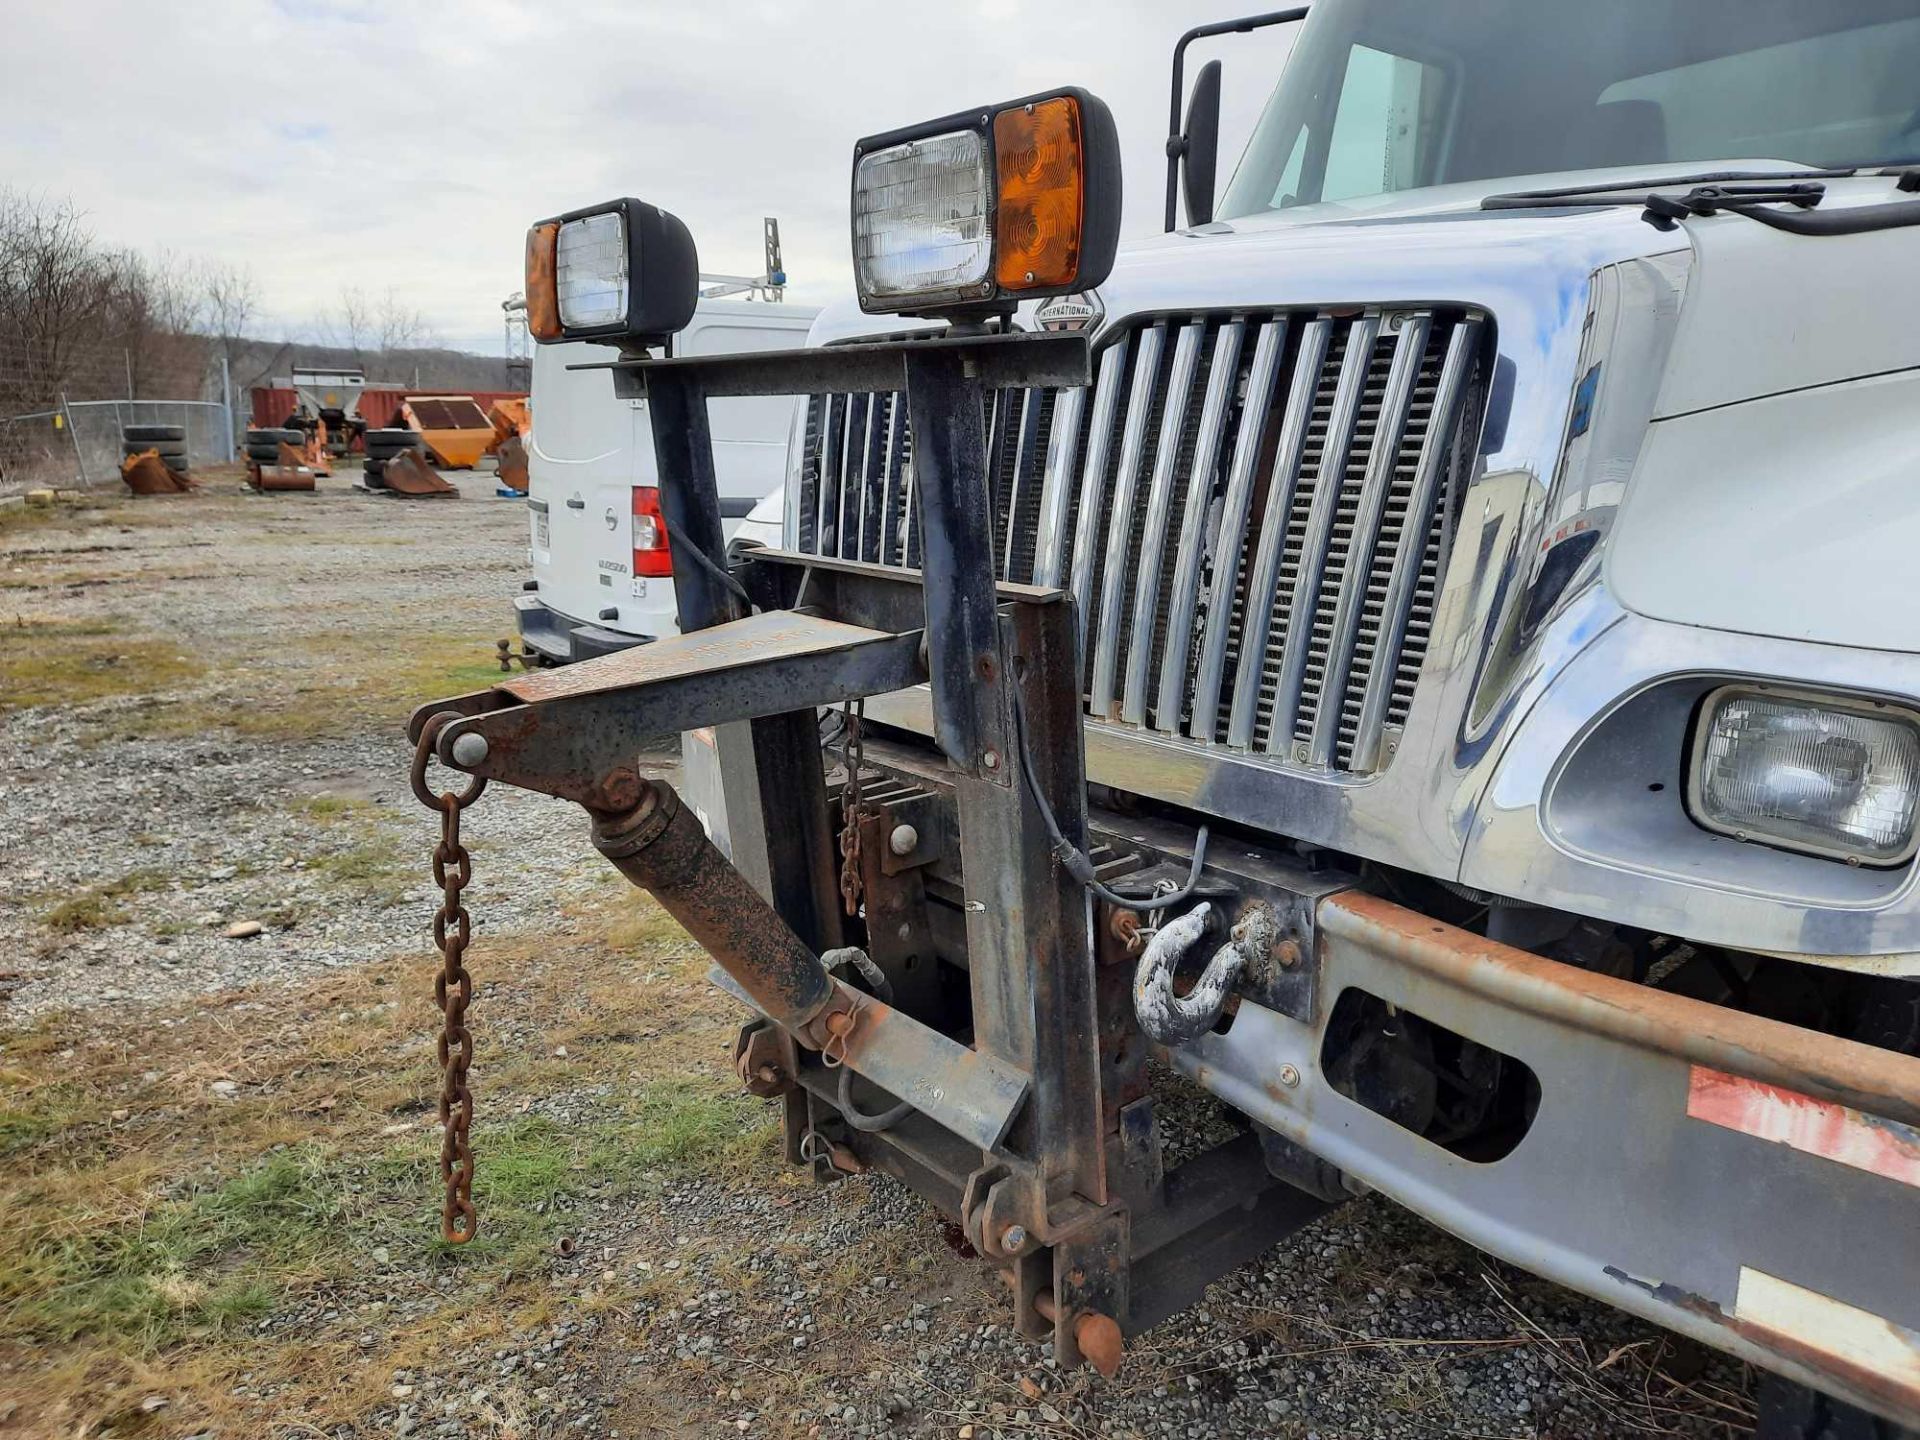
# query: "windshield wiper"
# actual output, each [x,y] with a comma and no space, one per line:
[1756,194]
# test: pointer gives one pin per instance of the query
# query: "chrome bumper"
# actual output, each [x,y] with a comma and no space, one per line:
[1746,1182]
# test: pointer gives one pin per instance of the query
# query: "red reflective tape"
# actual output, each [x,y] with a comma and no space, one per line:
[1816,1127]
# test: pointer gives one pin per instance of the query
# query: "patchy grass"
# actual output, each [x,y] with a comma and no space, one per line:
[322,688]
[159,1233]
[98,906]
[328,806]
[194,1266]
[50,662]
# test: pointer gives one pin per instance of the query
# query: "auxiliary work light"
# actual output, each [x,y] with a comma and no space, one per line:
[622,273]
[967,216]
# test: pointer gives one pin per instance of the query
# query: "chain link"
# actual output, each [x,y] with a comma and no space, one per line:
[850,807]
[452,990]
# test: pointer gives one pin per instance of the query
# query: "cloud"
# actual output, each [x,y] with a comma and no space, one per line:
[332,144]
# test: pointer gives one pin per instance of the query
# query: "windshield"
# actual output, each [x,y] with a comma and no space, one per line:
[1382,96]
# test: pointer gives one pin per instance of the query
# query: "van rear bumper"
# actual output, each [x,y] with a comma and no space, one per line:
[564,640]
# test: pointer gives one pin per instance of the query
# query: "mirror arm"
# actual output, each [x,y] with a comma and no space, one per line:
[1176,140]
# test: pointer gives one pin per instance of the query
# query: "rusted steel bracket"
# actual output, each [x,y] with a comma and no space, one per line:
[970,1092]
[1018,358]
[571,732]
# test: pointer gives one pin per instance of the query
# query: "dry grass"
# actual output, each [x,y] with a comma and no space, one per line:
[154,1223]
[51,662]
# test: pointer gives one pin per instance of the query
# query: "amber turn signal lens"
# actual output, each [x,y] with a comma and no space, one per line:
[1041,165]
[543,298]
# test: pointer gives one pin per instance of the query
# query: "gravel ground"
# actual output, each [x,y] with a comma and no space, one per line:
[717,1299]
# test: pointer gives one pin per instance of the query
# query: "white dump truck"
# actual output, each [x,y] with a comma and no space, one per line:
[1426,650]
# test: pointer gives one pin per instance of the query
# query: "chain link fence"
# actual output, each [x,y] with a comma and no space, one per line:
[64,424]
[80,445]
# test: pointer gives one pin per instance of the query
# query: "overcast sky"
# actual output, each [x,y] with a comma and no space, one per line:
[408,143]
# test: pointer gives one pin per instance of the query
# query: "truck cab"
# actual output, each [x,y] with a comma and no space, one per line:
[1483,501]
[591,476]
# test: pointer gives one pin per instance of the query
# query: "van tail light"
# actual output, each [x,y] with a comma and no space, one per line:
[651,555]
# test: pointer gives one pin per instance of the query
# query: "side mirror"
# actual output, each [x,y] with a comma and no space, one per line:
[1200,144]
[1193,145]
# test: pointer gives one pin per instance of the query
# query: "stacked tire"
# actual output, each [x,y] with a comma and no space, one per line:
[169,440]
[263,446]
[385,445]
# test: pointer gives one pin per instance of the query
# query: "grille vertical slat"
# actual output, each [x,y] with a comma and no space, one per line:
[892,481]
[1409,348]
[1056,487]
[1235,520]
[1160,500]
[1106,401]
[1184,598]
[855,427]
[1282,488]
[1250,510]
[1329,482]
[1023,504]
[1407,573]
[1107,623]
[826,507]
[871,438]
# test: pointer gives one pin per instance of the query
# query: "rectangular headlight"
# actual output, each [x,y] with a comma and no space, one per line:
[967,216]
[1820,774]
[590,271]
[624,273]
[920,218]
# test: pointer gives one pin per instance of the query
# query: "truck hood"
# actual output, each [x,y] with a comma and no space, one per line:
[1765,312]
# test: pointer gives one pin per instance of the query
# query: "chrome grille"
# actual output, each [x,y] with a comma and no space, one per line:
[1310,459]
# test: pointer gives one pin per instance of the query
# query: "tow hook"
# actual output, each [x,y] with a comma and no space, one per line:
[1172,1019]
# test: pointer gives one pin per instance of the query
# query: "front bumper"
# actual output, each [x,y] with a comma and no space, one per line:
[563,640]
[1746,1182]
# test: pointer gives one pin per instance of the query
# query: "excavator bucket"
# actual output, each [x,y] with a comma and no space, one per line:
[509,418]
[289,472]
[147,474]
[512,457]
[407,474]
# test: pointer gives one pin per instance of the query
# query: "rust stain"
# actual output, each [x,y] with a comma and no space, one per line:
[1815,1127]
[1890,1392]
[1671,1295]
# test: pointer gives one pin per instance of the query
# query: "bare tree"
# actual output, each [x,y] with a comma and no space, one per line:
[154,308]
[352,325]
[54,291]
[399,326]
[231,298]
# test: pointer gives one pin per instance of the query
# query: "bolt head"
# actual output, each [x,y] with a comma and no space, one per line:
[469,750]
[904,840]
[1289,1076]
[1013,1239]
[991,760]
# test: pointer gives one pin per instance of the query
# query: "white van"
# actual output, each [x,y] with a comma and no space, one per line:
[601,582]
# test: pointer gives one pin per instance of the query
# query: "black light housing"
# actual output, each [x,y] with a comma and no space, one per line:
[620,273]
[966,216]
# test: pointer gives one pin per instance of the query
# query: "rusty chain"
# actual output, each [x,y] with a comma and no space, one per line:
[850,808]
[452,989]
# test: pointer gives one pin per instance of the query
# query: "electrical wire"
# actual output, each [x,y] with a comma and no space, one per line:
[683,546]
[1075,860]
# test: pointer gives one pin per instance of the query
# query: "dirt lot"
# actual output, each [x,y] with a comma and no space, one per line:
[217,1155]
